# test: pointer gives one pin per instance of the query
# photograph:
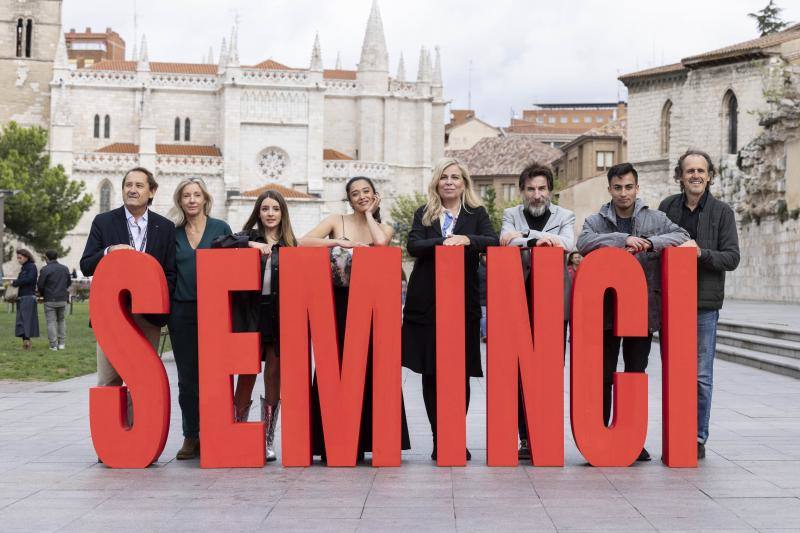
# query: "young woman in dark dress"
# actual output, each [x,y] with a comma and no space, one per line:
[27,322]
[268,229]
[453,216]
[342,233]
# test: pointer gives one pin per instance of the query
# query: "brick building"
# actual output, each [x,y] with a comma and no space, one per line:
[558,124]
[87,48]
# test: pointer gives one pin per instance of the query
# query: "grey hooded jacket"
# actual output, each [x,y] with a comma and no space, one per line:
[600,230]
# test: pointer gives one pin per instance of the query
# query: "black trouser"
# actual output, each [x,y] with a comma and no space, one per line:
[429,395]
[635,351]
[183,334]
[521,422]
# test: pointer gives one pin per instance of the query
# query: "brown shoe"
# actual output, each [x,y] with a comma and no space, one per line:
[189,450]
[26,345]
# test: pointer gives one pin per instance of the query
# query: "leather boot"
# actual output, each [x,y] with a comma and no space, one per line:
[189,450]
[270,417]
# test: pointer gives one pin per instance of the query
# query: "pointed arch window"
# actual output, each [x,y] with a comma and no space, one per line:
[20,36]
[107,127]
[29,38]
[105,196]
[177,129]
[730,108]
[187,130]
[97,126]
[666,126]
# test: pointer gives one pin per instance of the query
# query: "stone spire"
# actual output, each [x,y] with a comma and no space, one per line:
[374,56]
[143,60]
[338,61]
[437,69]
[316,55]
[63,114]
[61,60]
[233,53]
[223,53]
[401,69]
[210,60]
[424,71]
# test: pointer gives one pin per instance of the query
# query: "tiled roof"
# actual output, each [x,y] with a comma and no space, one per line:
[745,48]
[329,154]
[339,74]
[269,64]
[286,192]
[505,156]
[739,51]
[155,66]
[459,116]
[163,149]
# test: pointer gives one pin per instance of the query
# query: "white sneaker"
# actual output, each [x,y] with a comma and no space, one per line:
[53,349]
[62,347]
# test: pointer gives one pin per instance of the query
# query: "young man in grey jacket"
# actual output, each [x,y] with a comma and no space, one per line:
[627,223]
[712,228]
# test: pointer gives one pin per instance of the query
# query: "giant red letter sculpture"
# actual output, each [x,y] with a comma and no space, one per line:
[223,354]
[514,351]
[679,356]
[451,371]
[119,445]
[620,444]
[374,303]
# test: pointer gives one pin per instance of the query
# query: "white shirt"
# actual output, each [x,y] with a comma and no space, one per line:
[138,229]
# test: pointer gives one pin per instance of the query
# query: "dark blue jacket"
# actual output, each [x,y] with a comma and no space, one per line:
[26,281]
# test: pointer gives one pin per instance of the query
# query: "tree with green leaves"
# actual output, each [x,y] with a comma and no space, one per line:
[47,204]
[402,213]
[768,19]
[494,210]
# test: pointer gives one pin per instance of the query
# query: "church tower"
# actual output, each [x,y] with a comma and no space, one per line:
[29,36]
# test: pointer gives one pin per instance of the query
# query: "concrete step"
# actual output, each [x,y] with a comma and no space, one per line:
[772,331]
[777,364]
[759,343]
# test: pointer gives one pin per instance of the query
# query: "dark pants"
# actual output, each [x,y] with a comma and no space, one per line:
[635,352]
[183,334]
[521,422]
[429,395]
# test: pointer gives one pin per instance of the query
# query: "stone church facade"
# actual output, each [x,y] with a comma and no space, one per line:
[241,128]
[726,102]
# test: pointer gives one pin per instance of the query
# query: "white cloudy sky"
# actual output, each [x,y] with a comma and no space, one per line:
[522,51]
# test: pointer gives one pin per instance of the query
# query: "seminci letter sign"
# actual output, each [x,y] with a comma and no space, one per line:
[518,345]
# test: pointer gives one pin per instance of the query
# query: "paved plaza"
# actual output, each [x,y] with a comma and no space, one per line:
[750,480]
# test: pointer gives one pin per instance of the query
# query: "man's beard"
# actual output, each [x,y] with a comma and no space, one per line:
[538,210]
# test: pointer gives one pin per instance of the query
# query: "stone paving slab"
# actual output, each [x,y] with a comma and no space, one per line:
[750,480]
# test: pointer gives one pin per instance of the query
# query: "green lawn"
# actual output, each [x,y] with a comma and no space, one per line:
[42,364]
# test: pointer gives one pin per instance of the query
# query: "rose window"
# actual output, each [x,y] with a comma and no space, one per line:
[273,162]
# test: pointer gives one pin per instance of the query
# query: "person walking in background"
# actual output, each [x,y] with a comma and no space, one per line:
[453,216]
[573,262]
[27,322]
[54,282]
[195,229]
[712,228]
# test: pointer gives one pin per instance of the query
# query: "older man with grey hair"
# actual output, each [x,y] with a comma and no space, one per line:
[537,222]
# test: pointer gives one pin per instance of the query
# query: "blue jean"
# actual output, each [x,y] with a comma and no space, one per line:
[706,348]
[483,321]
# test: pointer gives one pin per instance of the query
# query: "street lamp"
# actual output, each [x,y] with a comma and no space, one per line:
[4,193]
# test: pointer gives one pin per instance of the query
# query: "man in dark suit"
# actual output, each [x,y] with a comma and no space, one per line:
[132,227]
